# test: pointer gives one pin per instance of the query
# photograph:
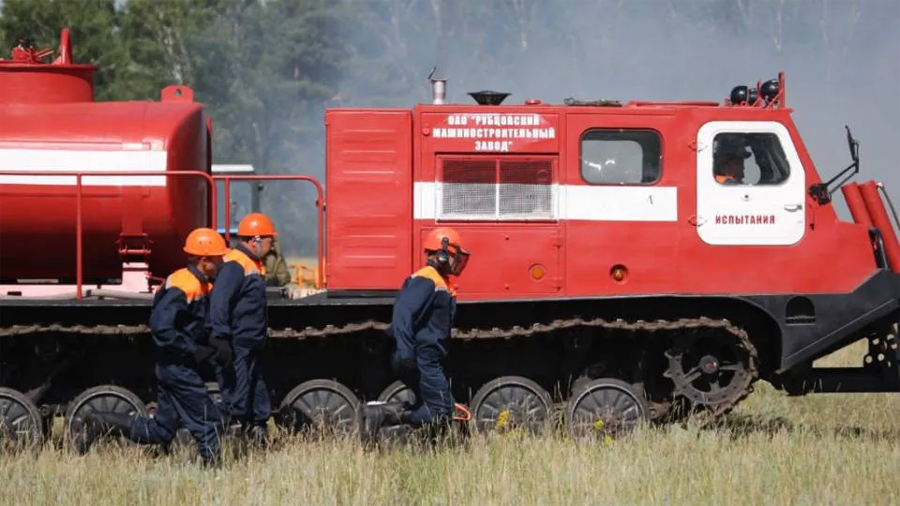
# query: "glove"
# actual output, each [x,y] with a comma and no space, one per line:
[223,354]
[203,353]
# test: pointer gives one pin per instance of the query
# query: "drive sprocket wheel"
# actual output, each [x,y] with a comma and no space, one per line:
[711,370]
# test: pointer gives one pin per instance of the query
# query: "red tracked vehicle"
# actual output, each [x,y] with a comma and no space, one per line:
[610,267]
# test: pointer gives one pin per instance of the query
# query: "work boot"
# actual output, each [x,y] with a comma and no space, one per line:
[373,416]
[113,424]
[100,424]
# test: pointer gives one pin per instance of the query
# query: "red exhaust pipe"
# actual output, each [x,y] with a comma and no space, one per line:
[857,205]
[880,219]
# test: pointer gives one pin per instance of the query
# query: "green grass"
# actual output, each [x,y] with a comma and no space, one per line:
[825,449]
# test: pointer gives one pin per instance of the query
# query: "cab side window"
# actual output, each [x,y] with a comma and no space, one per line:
[620,156]
[756,159]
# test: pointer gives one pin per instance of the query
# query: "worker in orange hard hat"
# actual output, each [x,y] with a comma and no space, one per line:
[238,314]
[422,320]
[178,325]
[730,154]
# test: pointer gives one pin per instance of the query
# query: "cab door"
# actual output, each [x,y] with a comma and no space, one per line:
[751,186]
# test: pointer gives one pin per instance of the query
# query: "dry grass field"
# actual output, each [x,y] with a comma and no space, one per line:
[827,449]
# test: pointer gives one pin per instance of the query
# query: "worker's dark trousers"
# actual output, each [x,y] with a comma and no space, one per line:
[181,394]
[245,396]
[434,402]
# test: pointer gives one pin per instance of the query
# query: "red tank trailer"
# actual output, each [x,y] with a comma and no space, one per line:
[650,258]
[50,122]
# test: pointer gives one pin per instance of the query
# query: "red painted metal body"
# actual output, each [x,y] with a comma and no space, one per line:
[387,170]
[369,172]
[50,123]
[61,82]
[79,221]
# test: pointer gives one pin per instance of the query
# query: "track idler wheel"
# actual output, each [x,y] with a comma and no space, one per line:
[21,425]
[102,399]
[510,404]
[319,405]
[605,409]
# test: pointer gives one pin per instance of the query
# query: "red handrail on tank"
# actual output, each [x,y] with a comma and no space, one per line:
[880,219]
[320,205]
[78,197]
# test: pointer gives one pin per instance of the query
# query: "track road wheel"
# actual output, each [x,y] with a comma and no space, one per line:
[102,399]
[21,426]
[319,404]
[510,404]
[605,409]
[397,392]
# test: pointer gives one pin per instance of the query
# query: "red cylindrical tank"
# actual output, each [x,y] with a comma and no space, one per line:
[71,132]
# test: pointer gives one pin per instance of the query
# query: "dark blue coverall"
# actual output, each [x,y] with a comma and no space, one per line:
[238,313]
[178,325]
[421,324]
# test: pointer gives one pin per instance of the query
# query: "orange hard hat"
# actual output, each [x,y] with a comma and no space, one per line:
[256,224]
[434,239]
[450,255]
[205,242]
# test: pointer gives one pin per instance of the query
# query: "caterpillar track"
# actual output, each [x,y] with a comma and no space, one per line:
[682,333]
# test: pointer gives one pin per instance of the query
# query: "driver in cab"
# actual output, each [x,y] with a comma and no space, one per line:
[729,165]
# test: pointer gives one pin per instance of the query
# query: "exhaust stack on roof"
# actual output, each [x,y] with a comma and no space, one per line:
[438,89]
